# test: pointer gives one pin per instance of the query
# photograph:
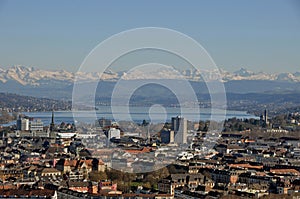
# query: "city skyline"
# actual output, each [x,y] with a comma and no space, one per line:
[259,36]
[149,99]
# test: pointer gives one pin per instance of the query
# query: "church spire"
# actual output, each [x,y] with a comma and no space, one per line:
[52,122]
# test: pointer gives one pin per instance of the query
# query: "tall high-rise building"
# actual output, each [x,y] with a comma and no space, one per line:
[23,124]
[175,124]
[265,117]
[167,136]
[179,126]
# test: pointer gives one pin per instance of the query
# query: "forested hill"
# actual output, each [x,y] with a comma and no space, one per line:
[19,103]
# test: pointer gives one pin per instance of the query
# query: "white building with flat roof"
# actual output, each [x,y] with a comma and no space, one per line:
[36,125]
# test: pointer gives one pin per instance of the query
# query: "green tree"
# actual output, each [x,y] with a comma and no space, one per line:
[114,175]
[97,176]
[147,185]
[153,177]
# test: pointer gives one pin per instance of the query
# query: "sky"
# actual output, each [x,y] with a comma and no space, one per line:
[254,34]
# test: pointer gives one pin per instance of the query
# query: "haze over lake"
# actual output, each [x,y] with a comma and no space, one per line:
[138,114]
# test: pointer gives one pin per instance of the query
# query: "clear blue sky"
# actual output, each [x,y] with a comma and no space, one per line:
[259,35]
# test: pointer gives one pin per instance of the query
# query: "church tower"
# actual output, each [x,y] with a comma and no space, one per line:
[265,118]
[52,125]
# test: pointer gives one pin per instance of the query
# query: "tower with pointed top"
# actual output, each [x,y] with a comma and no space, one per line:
[52,125]
[266,117]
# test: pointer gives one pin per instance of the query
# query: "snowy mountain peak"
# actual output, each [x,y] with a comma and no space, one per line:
[32,76]
[35,77]
[243,72]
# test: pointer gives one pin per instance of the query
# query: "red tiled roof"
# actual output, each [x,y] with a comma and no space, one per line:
[50,170]
[71,163]
[87,162]
[135,151]
[248,166]
[22,192]
[285,171]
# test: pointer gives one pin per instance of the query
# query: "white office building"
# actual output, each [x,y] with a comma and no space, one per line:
[36,125]
[113,133]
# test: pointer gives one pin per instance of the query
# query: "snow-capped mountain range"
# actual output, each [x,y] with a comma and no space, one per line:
[35,77]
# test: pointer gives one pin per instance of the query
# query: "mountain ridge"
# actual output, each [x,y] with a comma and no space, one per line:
[37,77]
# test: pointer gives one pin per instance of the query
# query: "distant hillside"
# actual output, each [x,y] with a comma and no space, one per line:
[283,102]
[14,102]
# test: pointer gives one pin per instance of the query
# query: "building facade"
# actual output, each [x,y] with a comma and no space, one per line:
[179,126]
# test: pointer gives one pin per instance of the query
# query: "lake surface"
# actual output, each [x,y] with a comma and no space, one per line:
[155,114]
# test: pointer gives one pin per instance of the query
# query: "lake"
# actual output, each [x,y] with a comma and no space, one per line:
[137,114]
